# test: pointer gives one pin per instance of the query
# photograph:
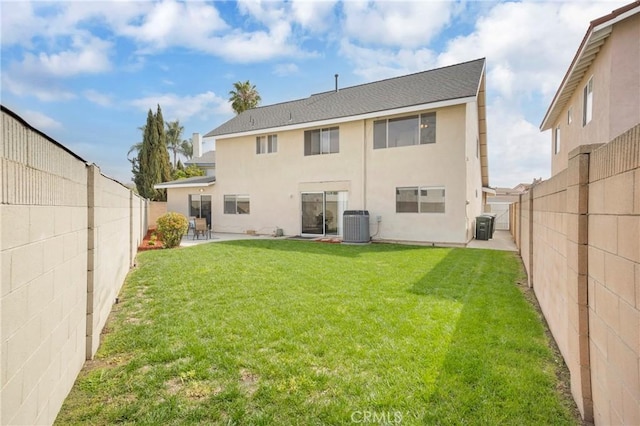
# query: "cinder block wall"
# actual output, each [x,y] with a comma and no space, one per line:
[582,254]
[614,279]
[62,222]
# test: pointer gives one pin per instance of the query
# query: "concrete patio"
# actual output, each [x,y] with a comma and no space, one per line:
[502,240]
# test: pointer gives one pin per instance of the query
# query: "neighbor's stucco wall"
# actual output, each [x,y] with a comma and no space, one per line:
[275,181]
[67,238]
[616,95]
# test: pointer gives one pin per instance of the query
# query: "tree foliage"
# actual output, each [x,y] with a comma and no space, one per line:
[244,96]
[152,165]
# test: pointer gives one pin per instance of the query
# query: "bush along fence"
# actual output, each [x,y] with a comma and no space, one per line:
[579,238]
[69,236]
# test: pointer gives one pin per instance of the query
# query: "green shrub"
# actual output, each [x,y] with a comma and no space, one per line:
[172,226]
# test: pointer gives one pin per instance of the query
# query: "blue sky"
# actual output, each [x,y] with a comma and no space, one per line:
[87,72]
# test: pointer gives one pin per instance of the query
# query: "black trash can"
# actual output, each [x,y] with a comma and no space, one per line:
[492,229]
[483,227]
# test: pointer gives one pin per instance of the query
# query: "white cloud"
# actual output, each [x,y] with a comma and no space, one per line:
[98,98]
[313,15]
[518,151]
[88,55]
[375,64]
[43,89]
[407,24]
[184,107]
[283,70]
[40,121]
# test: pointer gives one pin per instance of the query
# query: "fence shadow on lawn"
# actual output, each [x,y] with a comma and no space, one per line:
[499,363]
[322,248]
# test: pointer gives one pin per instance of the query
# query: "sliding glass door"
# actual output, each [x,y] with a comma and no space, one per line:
[200,206]
[322,212]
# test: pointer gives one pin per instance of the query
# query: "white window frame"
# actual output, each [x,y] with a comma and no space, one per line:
[266,144]
[424,120]
[418,192]
[327,145]
[587,102]
[233,201]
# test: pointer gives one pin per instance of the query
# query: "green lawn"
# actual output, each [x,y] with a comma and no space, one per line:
[265,332]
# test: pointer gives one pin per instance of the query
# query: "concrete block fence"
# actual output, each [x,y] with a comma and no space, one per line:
[579,238]
[68,237]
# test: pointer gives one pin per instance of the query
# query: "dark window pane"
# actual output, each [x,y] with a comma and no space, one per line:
[407,200]
[229,204]
[403,131]
[379,134]
[428,128]
[334,136]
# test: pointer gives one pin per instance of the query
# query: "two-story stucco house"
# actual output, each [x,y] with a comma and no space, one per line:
[599,97]
[410,150]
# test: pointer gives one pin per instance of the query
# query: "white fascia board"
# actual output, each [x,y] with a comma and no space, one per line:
[617,19]
[182,185]
[332,121]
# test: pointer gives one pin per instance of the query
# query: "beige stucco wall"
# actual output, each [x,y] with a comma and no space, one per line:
[582,253]
[616,94]
[59,272]
[275,181]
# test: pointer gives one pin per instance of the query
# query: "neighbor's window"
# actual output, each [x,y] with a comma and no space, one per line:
[556,141]
[416,199]
[322,141]
[266,144]
[569,115]
[236,204]
[587,100]
[405,131]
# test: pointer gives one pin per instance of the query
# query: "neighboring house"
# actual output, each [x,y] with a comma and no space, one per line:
[206,161]
[411,150]
[599,97]
[192,196]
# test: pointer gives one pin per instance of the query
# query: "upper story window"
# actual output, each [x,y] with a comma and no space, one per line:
[569,116]
[556,140]
[405,131]
[587,102]
[266,144]
[322,141]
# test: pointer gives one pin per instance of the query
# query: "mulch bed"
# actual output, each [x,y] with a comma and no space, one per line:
[147,242]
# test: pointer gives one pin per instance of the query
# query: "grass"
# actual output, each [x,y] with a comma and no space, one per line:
[299,333]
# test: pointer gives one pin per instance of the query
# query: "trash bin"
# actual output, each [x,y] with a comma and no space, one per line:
[492,228]
[356,226]
[483,227]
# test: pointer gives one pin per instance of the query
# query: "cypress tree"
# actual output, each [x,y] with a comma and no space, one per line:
[152,164]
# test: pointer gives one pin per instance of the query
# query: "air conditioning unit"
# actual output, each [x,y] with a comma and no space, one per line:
[356,226]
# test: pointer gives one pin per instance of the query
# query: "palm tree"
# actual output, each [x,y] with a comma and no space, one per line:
[174,139]
[186,148]
[244,97]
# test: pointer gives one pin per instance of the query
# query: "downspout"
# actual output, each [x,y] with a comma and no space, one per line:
[364,164]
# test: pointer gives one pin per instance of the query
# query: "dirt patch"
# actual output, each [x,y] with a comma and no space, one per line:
[249,381]
[563,376]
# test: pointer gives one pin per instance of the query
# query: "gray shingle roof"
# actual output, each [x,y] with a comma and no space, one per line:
[192,181]
[208,157]
[452,82]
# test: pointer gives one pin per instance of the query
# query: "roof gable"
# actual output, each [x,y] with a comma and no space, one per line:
[597,33]
[442,84]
